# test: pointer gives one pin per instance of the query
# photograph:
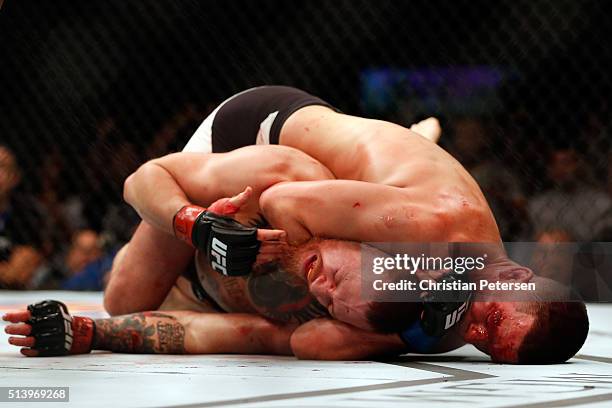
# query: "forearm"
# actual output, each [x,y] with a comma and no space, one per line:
[155,194]
[191,333]
[147,332]
[330,339]
[159,188]
[341,209]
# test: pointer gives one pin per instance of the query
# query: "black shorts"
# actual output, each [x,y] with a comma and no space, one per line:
[191,274]
[254,116]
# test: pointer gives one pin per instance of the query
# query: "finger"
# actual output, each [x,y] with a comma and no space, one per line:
[270,235]
[29,352]
[17,317]
[275,244]
[242,198]
[22,341]
[222,207]
[21,329]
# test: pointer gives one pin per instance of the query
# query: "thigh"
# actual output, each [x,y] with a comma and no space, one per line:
[146,270]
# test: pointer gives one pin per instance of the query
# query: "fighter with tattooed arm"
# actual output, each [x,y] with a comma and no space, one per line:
[392,185]
[270,292]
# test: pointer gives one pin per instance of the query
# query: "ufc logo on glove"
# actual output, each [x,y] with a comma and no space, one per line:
[218,252]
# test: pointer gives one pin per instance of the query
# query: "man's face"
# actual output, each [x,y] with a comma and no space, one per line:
[498,329]
[85,248]
[332,270]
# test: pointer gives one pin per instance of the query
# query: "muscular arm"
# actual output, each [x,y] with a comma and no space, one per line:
[329,339]
[148,267]
[192,333]
[346,209]
[214,333]
[362,211]
[172,332]
[162,186]
[181,332]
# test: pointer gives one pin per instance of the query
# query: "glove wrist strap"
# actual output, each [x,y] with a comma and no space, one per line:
[84,330]
[184,220]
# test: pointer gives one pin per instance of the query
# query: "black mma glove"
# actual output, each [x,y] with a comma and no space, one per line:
[231,247]
[438,317]
[56,332]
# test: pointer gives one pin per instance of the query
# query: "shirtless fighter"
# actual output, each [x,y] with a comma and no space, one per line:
[428,195]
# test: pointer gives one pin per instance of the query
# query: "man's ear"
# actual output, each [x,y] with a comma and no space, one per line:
[519,274]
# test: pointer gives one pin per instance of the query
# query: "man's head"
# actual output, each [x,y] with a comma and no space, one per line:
[332,270]
[528,332]
[85,248]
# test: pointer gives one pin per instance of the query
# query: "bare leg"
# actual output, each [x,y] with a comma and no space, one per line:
[144,271]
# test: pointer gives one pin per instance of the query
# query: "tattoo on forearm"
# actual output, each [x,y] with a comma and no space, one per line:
[171,337]
[148,332]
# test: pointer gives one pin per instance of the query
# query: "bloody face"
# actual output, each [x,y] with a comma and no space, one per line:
[498,329]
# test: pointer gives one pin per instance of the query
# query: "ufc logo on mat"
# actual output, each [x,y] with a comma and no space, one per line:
[455,317]
[219,253]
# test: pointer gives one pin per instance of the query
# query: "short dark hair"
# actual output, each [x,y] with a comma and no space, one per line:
[558,333]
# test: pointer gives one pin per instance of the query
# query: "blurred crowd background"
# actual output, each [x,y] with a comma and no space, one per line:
[91,90]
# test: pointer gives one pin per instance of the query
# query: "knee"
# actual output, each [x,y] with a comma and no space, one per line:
[113,294]
[111,302]
[113,298]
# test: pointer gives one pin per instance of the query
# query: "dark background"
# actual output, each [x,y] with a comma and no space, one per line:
[91,89]
[66,64]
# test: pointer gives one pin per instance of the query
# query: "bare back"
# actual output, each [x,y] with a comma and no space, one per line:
[435,187]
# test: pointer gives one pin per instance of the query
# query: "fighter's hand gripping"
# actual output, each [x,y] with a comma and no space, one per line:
[49,330]
[231,247]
